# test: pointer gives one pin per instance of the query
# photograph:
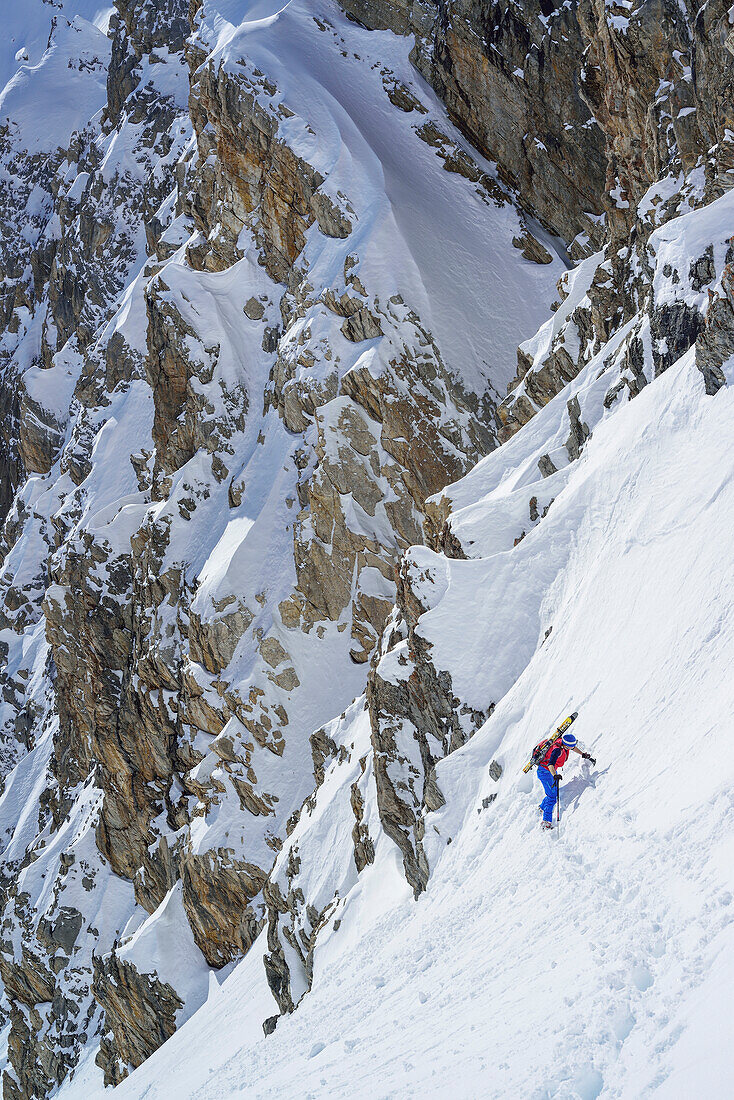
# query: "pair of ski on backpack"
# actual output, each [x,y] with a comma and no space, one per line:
[540,750]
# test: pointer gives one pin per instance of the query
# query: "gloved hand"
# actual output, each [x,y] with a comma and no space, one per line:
[556,779]
[588,756]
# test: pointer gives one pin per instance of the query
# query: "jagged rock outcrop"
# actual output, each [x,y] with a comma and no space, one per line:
[76,614]
[412,707]
[716,343]
[249,176]
[375,770]
[140,1012]
[647,76]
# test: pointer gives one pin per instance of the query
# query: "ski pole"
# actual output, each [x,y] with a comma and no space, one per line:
[558,802]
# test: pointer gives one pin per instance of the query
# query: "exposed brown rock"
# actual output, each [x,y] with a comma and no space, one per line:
[509,77]
[715,345]
[140,1014]
[420,708]
[216,893]
[253,179]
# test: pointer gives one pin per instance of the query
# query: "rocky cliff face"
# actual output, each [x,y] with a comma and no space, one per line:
[510,76]
[666,120]
[261,311]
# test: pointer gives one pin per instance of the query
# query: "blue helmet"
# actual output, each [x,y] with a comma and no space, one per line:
[569,740]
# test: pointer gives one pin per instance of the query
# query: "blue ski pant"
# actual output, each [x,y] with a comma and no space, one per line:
[549,787]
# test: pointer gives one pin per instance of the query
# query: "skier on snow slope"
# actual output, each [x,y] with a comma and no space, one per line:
[549,775]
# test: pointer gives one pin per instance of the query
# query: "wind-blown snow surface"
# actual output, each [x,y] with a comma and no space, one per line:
[595,962]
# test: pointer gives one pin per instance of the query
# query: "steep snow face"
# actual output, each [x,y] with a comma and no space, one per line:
[242,346]
[59,79]
[591,962]
[587,963]
[441,243]
[260,305]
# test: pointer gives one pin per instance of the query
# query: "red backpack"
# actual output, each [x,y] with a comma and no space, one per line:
[544,749]
[562,758]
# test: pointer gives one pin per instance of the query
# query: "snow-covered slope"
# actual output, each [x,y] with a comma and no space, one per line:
[279,620]
[234,373]
[594,962]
